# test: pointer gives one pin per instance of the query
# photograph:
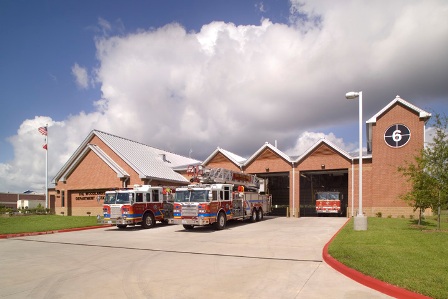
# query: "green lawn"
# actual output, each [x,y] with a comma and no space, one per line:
[398,251]
[40,223]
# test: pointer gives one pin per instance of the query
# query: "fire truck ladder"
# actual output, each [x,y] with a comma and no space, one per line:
[221,175]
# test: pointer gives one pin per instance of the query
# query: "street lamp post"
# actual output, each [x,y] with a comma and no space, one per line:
[360,220]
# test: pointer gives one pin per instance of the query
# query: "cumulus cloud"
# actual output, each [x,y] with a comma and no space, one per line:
[81,76]
[238,86]
[308,139]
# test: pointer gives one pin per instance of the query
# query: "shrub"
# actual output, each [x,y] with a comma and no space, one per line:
[379,214]
[5,210]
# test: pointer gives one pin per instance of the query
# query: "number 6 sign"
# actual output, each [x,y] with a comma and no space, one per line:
[397,135]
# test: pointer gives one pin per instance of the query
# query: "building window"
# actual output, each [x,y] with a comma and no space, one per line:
[63,198]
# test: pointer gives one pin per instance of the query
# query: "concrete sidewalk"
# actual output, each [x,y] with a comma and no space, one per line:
[275,258]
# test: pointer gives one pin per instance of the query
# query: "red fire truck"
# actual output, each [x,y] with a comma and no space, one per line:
[221,195]
[142,205]
[328,202]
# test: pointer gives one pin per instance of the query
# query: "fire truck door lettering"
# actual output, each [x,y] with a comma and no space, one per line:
[214,206]
[138,209]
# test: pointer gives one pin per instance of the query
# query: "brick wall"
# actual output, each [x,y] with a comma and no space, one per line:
[221,161]
[382,183]
[387,183]
[90,178]
[268,161]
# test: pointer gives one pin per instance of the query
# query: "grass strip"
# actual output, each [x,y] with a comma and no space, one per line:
[41,223]
[398,251]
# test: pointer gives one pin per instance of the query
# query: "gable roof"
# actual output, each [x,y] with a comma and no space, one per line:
[329,144]
[234,158]
[265,146]
[121,173]
[369,123]
[148,162]
[421,113]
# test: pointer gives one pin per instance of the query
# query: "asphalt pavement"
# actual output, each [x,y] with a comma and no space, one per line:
[275,258]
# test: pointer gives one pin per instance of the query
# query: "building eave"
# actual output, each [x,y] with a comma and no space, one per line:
[421,113]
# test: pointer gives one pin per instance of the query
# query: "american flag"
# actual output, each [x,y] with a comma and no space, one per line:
[43,130]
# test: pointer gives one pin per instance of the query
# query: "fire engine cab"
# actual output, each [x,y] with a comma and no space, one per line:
[142,205]
[328,203]
[219,196]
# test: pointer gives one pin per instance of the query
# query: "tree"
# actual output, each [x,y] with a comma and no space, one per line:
[421,196]
[428,174]
[436,155]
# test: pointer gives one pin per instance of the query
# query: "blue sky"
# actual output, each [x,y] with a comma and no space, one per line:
[43,39]
[189,76]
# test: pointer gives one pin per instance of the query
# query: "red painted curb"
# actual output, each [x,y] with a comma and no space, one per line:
[368,281]
[7,236]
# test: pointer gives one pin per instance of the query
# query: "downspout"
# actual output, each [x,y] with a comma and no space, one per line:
[124,182]
[424,134]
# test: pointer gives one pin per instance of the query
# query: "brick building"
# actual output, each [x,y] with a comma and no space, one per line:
[103,162]
[293,181]
[9,200]
[394,135]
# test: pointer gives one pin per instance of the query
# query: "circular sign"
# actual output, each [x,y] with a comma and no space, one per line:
[397,135]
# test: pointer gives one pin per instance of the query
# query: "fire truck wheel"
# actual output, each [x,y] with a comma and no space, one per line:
[253,217]
[121,226]
[188,227]
[221,223]
[259,215]
[148,220]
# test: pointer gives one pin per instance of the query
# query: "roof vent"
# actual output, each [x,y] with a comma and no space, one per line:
[163,157]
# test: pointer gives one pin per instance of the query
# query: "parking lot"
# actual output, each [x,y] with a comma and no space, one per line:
[276,258]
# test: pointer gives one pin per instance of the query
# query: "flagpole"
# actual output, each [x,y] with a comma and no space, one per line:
[46,170]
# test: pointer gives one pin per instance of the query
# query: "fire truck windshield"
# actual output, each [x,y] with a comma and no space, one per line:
[110,198]
[123,197]
[192,196]
[328,195]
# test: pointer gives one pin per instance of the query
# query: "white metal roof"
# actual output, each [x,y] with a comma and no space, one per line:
[148,162]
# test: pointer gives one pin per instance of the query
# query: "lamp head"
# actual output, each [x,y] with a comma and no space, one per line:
[352,95]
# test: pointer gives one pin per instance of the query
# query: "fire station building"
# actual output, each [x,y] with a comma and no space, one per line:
[105,162]
[395,135]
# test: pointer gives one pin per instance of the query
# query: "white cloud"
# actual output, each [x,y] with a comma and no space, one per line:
[81,76]
[260,6]
[308,139]
[104,26]
[238,86]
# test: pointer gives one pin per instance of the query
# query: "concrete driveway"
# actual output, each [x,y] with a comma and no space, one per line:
[275,258]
